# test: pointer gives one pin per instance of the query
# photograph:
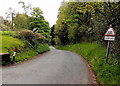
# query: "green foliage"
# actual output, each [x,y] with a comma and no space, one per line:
[27,54]
[37,12]
[71,23]
[95,54]
[26,49]
[9,43]
[31,37]
[42,48]
[21,21]
[88,21]
[8,33]
[37,21]
[52,35]
[29,43]
[30,53]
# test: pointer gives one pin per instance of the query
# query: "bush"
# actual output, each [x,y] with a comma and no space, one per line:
[42,48]
[30,52]
[31,37]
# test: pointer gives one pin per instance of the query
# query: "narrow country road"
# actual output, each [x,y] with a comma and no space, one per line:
[54,67]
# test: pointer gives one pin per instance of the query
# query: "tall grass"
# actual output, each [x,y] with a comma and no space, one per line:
[95,54]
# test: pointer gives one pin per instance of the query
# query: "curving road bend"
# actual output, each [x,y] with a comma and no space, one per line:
[54,67]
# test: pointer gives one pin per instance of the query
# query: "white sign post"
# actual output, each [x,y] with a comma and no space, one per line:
[35,30]
[109,36]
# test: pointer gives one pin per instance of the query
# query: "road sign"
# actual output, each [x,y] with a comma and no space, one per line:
[109,38]
[110,32]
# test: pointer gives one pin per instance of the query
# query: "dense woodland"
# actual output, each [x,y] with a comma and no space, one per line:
[87,22]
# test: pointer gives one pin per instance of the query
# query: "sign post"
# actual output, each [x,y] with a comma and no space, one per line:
[14,54]
[35,30]
[109,36]
[107,52]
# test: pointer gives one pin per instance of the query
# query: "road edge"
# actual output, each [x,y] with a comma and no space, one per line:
[92,74]
[27,60]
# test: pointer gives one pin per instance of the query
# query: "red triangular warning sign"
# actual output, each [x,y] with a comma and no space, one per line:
[110,32]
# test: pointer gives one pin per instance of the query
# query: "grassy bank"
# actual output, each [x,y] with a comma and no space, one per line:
[95,54]
[25,51]
[9,43]
[30,53]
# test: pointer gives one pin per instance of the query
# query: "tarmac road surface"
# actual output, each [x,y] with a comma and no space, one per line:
[53,67]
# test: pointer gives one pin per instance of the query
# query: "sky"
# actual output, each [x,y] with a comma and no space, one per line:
[49,8]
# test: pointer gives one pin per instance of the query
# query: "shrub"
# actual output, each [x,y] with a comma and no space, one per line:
[26,34]
[31,37]
[40,38]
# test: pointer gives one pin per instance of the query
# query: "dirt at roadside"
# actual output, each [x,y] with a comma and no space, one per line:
[92,74]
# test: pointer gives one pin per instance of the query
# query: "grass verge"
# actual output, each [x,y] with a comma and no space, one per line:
[95,54]
[9,43]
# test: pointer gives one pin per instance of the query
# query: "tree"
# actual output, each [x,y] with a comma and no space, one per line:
[26,8]
[78,22]
[73,23]
[37,21]
[21,21]
[10,14]
[52,35]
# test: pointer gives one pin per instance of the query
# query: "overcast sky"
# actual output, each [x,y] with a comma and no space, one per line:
[49,7]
